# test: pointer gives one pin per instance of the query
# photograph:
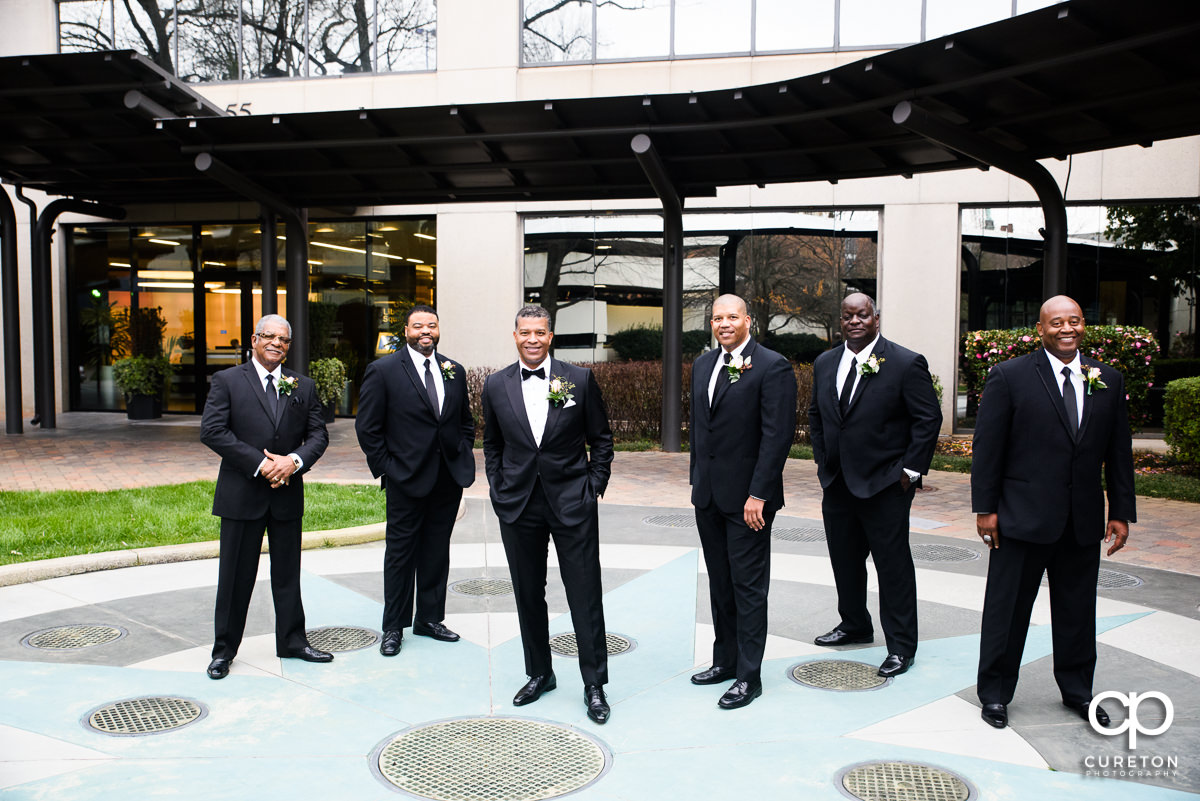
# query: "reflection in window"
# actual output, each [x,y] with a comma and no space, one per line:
[556,30]
[633,30]
[85,26]
[341,36]
[208,41]
[408,35]
[794,25]
[272,38]
[878,22]
[943,17]
[148,28]
[712,26]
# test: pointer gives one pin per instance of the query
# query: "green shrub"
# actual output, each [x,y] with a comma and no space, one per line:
[797,347]
[1181,420]
[1129,349]
[643,343]
[142,375]
[330,377]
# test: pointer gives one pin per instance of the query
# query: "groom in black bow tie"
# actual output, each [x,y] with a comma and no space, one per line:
[541,416]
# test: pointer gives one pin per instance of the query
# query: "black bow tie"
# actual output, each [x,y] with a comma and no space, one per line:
[540,373]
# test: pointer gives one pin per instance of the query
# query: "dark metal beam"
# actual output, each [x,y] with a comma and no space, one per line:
[936,129]
[269,267]
[297,289]
[672,363]
[10,308]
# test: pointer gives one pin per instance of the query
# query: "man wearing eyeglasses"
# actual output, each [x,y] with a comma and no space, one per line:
[267,426]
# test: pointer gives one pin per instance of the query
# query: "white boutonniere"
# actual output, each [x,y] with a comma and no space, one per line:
[737,365]
[560,390]
[286,384]
[448,370]
[871,365]
[1092,380]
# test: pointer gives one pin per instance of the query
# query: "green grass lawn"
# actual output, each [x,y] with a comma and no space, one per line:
[43,525]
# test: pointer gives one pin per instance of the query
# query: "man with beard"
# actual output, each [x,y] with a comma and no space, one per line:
[414,424]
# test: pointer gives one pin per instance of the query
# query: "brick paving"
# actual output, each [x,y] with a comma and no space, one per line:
[101,451]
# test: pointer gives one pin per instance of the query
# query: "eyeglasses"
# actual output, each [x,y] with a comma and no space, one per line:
[280,338]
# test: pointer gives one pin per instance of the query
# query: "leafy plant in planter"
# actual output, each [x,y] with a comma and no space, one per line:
[330,377]
[143,375]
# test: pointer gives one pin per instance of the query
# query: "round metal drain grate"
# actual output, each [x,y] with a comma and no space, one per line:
[837,674]
[483,586]
[1116,580]
[341,638]
[565,644]
[803,534]
[151,715]
[903,781]
[936,552]
[670,521]
[491,759]
[62,638]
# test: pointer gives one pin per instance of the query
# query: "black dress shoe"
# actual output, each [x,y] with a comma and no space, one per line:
[435,630]
[218,668]
[393,641]
[839,637]
[714,675]
[995,715]
[1081,709]
[534,688]
[740,694]
[597,704]
[309,654]
[895,664]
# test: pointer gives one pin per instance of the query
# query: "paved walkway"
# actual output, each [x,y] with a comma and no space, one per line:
[94,450]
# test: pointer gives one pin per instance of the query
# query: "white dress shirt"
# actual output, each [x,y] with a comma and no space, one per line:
[537,403]
[1076,365]
[844,366]
[435,367]
[720,367]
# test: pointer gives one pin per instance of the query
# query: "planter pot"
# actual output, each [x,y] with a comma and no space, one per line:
[143,407]
[328,411]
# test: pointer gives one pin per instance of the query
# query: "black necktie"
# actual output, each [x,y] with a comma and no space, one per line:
[1070,405]
[431,388]
[728,357]
[540,373]
[848,387]
[272,396]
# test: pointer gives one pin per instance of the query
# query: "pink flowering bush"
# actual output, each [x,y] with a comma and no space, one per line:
[1130,349]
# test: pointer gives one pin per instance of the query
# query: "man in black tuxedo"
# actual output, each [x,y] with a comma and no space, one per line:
[540,417]
[414,424]
[874,421]
[266,424]
[1049,424]
[743,421]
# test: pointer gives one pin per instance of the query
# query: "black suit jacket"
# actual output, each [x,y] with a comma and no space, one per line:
[892,423]
[401,433]
[1027,468]
[571,477]
[738,447]
[237,425]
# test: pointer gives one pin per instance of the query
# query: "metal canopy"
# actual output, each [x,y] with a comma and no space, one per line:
[1079,76]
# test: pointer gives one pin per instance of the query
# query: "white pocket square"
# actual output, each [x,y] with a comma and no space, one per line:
[569,404]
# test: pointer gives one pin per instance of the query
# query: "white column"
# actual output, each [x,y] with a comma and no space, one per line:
[480,282]
[919,267]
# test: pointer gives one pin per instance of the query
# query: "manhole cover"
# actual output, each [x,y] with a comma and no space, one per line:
[483,586]
[61,638]
[565,644]
[671,521]
[837,674]
[341,638]
[799,534]
[1116,580]
[903,781]
[491,759]
[150,715]
[936,552]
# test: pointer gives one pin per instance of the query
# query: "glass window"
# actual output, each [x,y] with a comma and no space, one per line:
[85,26]
[98,267]
[148,28]
[794,25]
[639,30]
[944,17]
[712,26]
[867,23]
[408,36]
[1025,6]
[272,38]
[341,36]
[556,30]
[208,41]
